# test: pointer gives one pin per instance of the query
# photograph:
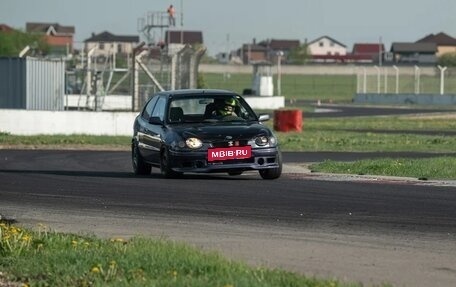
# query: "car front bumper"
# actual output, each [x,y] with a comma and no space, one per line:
[196,161]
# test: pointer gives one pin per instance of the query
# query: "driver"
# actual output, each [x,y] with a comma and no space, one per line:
[226,108]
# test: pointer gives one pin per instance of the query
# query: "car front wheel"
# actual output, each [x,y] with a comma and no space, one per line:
[273,173]
[140,167]
[165,166]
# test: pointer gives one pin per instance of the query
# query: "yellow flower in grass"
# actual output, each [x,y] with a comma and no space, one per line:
[26,238]
[120,240]
[74,243]
[95,269]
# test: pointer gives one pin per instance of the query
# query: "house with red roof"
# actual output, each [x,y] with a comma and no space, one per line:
[5,28]
[58,37]
[367,52]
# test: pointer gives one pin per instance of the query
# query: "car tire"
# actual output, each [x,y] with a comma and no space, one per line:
[235,172]
[165,167]
[140,167]
[273,173]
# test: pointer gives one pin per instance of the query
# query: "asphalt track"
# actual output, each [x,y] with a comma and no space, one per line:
[370,230]
[351,110]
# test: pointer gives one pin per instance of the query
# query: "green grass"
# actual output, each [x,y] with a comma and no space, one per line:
[432,168]
[336,88]
[64,140]
[43,258]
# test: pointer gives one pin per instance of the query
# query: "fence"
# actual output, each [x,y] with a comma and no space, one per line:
[140,76]
[406,80]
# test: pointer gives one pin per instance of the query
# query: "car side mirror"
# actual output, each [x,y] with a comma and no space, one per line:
[155,121]
[263,117]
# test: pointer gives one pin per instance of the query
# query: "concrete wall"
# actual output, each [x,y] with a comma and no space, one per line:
[28,122]
[123,103]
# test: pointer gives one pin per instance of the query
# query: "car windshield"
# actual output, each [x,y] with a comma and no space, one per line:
[209,109]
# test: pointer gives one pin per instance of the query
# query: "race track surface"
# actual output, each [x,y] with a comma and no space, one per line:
[371,231]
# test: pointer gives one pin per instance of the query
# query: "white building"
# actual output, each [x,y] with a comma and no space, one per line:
[108,44]
[326,46]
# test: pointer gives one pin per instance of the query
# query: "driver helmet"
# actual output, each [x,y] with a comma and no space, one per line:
[227,108]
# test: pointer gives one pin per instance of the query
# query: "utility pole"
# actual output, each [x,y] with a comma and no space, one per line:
[182,21]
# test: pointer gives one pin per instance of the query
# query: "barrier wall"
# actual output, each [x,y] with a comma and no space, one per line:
[28,122]
[123,102]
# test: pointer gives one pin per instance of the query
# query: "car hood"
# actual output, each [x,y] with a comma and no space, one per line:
[222,131]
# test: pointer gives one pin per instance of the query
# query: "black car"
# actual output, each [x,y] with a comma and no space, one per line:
[203,131]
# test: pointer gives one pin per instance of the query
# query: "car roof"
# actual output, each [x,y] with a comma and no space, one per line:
[193,92]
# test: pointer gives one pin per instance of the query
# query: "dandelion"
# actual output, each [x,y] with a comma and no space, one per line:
[95,270]
[120,240]
[26,238]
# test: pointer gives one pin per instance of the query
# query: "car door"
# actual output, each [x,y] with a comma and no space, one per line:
[143,127]
[154,131]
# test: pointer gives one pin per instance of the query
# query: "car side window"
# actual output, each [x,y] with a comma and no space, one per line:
[148,108]
[159,109]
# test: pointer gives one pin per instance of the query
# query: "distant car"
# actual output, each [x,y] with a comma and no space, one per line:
[203,131]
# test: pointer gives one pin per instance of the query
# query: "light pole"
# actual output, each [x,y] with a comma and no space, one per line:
[279,73]
[182,22]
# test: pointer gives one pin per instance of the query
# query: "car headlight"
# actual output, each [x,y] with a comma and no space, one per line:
[264,141]
[194,143]
[261,140]
[272,141]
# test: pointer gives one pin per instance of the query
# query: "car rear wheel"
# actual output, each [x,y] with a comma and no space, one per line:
[165,166]
[272,173]
[140,167]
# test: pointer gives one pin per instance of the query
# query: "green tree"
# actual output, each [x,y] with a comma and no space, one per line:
[447,60]
[299,55]
[12,43]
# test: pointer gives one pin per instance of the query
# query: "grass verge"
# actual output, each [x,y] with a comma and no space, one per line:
[424,169]
[44,258]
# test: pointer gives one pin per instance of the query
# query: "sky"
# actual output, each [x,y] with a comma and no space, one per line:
[226,25]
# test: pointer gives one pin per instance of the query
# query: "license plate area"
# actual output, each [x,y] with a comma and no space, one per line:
[228,153]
